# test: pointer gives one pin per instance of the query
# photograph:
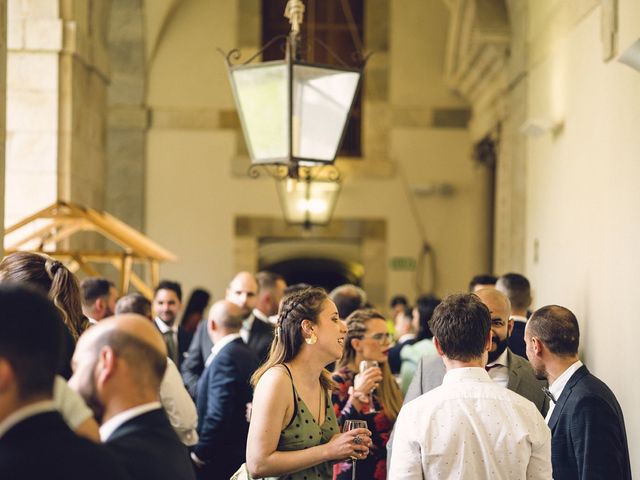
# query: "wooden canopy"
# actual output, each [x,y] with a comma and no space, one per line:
[44,230]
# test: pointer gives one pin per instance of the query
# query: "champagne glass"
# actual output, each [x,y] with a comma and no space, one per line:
[364,365]
[352,425]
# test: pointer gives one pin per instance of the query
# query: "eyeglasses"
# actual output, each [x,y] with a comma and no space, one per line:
[381,338]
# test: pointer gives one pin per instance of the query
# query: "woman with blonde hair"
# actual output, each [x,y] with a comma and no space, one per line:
[372,395]
[293,432]
[58,283]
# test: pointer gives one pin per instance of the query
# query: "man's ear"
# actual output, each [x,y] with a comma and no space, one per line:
[487,346]
[537,347]
[106,365]
[510,323]
[436,343]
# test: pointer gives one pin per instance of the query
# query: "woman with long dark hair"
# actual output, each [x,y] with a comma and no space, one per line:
[372,395]
[293,432]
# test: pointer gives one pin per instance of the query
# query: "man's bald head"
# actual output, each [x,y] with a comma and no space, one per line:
[243,291]
[493,297]
[226,316]
[501,324]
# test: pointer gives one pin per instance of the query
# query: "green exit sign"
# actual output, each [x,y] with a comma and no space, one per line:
[406,264]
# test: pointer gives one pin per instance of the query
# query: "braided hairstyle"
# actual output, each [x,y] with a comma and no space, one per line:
[51,277]
[295,308]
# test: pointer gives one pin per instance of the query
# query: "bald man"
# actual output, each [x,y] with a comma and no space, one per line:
[243,292]
[118,366]
[504,367]
[223,394]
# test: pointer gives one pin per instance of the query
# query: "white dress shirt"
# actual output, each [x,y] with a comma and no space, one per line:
[499,370]
[178,405]
[114,422]
[23,413]
[558,385]
[470,428]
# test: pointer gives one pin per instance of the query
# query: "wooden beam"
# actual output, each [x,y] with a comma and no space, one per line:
[40,232]
[86,268]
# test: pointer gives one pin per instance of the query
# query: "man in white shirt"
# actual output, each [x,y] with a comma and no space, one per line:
[586,421]
[98,297]
[469,427]
[118,366]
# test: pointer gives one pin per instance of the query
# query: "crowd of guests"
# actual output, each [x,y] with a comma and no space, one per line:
[293,383]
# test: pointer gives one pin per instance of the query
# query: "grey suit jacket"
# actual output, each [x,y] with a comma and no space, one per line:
[430,372]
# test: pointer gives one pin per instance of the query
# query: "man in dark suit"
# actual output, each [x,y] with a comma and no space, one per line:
[224,392]
[403,322]
[35,442]
[589,439]
[505,368]
[242,291]
[167,302]
[118,366]
[517,288]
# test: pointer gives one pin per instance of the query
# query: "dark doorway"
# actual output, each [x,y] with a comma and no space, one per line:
[320,272]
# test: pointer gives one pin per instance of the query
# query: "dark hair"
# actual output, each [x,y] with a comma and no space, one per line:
[517,288]
[296,287]
[348,298]
[461,324]
[267,280]
[399,300]
[133,303]
[32,338]
[93,288]
[425,304]
[169,285]
[483,279]
[53,279]
[556,327]
[198,301]
[150,364]
[304,305]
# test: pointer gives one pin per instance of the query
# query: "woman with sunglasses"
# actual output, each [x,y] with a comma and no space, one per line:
[372,395]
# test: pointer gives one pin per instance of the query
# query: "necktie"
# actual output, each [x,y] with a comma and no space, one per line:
[171,346]
[548,394]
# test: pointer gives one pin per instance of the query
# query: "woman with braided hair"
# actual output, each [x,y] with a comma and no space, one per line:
[293,432]
[55,280]
[372,395]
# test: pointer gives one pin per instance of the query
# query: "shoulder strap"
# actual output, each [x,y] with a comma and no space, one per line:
[295,396]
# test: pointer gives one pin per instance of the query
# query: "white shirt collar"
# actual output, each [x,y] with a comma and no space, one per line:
[219,345]
[406,337]
[519,318]
[260,316]
[25,412]
[501,360]
[476,374]
[116,421]
[164,328]
[558,385]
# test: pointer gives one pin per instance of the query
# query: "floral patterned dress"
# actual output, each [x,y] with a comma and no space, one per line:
[375,465]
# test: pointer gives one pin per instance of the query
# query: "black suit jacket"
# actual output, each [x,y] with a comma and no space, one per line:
[43,447]
[223,394]
[195,357]
[516,340]
[395,362]
[589,440]
[148,449]
[260,338]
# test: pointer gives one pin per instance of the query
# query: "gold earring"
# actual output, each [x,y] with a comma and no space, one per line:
[311,339]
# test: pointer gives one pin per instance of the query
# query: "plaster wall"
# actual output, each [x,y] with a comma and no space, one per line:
[194,193]
[582,227]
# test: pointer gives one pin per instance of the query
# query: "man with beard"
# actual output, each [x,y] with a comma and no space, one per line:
[167,302]
[98,297]
[504,367]
[117,368]
[587,427]
[243,292]
[35,442]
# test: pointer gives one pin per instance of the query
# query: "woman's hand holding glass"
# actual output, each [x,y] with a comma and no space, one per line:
[365,382]
[354,443]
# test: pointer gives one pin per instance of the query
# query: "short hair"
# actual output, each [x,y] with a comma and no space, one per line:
[133,303]
[93,288]
[399,300]
[482,279]
[267,280]
[461,324]
[556,327]
[348,298]
[517,288]
[150,364]
[32,338]
[169,285]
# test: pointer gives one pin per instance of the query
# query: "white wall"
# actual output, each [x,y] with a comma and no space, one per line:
[583,201]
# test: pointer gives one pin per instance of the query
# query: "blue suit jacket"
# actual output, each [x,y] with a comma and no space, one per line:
[223,394]
[589,440]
